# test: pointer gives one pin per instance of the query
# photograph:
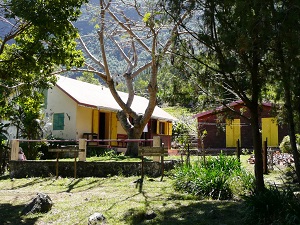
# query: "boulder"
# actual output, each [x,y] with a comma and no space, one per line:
[41,203]
[149,215]
[97,218]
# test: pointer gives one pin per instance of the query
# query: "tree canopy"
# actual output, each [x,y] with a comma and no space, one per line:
[35,37]
[226,46]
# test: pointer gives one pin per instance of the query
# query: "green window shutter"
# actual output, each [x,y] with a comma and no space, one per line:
[45,93]
[58,121]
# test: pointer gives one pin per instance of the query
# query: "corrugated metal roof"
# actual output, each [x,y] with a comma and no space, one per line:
[97,96]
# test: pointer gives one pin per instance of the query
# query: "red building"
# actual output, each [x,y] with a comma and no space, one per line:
[224,127]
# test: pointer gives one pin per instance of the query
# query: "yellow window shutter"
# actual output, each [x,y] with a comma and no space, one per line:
[157,127]
[166,128]
[170,128]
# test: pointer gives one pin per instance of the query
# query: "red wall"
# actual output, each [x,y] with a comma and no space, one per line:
[216,136]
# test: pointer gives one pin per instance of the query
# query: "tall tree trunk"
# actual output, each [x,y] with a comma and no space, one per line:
[132,146]
[134,131]
[257,145]
[286,81]
[290,118]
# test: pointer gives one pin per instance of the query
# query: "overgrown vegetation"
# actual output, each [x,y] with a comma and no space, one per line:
[285,145]
[3,147]
[273,206]
[219,177]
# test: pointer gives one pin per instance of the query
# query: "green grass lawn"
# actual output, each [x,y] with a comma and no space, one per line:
[117,198]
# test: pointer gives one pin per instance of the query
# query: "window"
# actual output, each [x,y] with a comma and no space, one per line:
[58,121]
[161,128]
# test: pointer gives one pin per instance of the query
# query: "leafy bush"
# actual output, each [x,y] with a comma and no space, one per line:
[285,145]
[3,147]
[93,151]
[272,207]
[218,178]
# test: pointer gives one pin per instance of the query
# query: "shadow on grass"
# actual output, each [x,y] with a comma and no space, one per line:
[31,182]
[83,183]
[10,214]
[4,177]
[199,212]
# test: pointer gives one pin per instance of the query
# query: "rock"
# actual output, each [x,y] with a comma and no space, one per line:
[297,195]
[41,203]
[97,218]
[150,215]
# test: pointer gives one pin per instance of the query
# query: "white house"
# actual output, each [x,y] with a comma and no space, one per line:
[81,110]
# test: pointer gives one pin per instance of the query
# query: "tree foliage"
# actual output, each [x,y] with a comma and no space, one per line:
[284,57]
[35,37]
[225,45]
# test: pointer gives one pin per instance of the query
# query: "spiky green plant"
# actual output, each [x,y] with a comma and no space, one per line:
[218,178]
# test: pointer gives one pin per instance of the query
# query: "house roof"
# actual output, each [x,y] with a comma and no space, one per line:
[96,96]
[222,108]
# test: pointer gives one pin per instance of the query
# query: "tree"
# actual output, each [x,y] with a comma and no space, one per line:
[285,58]
[141,36]
[35,37]
[176,89]
[89,78]
[226,45]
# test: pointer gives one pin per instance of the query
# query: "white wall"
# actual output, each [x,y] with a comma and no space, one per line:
[59,102]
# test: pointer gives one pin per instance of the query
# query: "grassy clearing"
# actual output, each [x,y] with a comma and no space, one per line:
[118,198]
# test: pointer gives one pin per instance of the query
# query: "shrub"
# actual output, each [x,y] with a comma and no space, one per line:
[285,145]
[219,178]
[272,207]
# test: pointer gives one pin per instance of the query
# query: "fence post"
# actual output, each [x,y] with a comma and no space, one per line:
[14,152]
[156,143]
[265,157]
[188,155]
[82,145]
[238,150]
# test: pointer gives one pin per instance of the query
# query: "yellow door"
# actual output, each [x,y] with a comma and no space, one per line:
[270,131]
[114,126]
[233,132]
[95,121]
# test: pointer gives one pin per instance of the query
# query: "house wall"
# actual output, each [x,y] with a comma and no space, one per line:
[80,119]
[120,129]
[216,136]
[215,127]
[59,102]
[84,121]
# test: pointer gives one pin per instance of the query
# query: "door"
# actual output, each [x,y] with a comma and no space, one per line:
[113,128]
[95,122]
[270,131]
[233,132]
[102,133]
